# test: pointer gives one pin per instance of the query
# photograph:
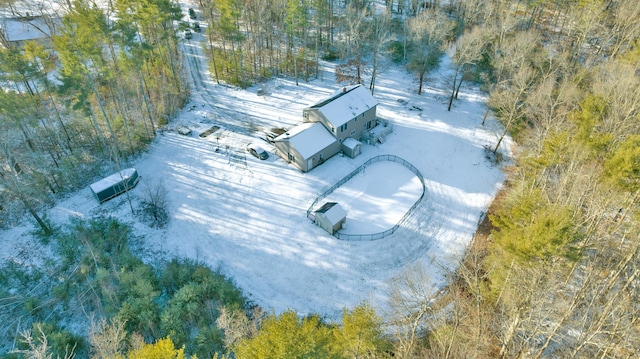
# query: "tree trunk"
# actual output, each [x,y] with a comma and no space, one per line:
[146,102]
[453,90]
[45,227]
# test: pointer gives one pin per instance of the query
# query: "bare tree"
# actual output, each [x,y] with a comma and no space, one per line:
[12,179]
[427,33]
[379,35]
[586,18]
[154,203]
[107,338]
[624,28]
[508,101]
[237,325]
[466,53]
[411,306]
[353,44]
[38,347]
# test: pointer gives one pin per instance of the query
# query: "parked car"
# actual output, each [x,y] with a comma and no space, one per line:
[257,151]
[192,14]
[196,26]
[187,33]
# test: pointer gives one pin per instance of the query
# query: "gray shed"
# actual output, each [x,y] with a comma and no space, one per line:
[114,185]
[330,217]
[351,147]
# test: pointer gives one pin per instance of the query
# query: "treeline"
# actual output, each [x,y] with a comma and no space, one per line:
[553,270]
[96,298]
[86,103]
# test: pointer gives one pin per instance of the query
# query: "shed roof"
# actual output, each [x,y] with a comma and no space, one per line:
[346,104]
[333,212]
[308,138]
[112,180]
[350,142]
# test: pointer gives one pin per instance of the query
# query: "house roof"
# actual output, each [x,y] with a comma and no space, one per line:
[18,29]
[308,138]
[333,212]
[346,104]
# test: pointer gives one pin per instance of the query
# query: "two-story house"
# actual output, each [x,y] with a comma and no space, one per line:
[346,113]
[330,126]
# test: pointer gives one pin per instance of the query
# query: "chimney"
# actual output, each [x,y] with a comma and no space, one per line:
[344,90]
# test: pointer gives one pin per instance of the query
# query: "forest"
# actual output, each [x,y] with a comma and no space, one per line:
[553,270]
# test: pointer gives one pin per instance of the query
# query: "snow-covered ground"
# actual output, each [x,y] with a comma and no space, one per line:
[248,217]
[375,201]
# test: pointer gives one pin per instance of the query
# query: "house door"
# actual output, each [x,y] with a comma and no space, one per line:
[309,164]
[356,151]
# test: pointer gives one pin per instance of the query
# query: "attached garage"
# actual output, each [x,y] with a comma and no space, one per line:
[306,146]
[114,185]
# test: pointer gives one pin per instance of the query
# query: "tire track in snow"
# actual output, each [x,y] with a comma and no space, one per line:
[199,84]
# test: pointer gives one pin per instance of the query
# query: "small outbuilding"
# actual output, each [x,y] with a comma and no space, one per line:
[115,184]
[351,147]
[330,217]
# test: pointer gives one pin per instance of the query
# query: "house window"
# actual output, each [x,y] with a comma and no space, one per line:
[353,132]
[291,157]
[306,115]
[369,125]
[343,127]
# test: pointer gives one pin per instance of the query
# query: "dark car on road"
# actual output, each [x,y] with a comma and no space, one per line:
[192,14]
[187,33]
[196,26]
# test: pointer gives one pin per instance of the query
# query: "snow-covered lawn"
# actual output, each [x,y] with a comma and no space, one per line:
[375,200]
[248,217]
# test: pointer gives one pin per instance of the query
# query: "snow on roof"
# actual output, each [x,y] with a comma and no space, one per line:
[333,212]
[346,104]
[350,142]
[16,29]
[112,179]
[256,147]
[308,138]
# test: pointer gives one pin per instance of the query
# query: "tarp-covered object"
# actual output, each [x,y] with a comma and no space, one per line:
[116,184]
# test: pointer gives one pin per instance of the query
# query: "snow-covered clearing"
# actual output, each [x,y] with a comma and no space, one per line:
[248,217]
